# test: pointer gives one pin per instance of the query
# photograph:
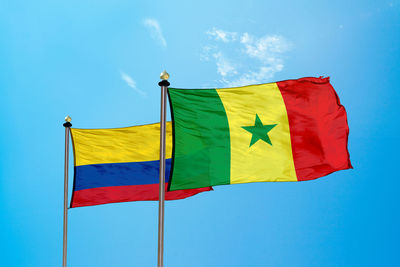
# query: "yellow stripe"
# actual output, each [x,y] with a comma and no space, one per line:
[130,144]
[261,162]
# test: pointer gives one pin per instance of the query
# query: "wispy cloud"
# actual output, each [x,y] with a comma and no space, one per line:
[155,31]
[221,35]
[224,66]
[131,83]
[254,77]
[242,58]
[264,48]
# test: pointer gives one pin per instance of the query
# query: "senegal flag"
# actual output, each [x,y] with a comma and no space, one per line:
[293,130]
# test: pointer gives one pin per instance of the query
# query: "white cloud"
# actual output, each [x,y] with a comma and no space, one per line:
[224,36]
[131,83]
[224,66]
[205,53]
[155,31]
[264,48]
[255,77]
[245,60]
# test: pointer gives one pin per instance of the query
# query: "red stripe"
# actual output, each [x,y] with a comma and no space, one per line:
[318,127]
[114,194]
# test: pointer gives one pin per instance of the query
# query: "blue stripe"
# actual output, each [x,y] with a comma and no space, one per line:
[117,174]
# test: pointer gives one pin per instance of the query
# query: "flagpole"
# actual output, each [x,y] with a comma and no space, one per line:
[164,85]
[67,126]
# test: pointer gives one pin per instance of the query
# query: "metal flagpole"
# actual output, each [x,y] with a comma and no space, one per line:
[67,126]
[164,85]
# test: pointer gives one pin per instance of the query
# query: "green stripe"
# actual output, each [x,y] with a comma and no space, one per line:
[201,139]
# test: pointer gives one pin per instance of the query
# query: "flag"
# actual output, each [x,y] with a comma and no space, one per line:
[121,164]
[293,130]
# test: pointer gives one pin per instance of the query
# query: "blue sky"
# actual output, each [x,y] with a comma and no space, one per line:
[99,62]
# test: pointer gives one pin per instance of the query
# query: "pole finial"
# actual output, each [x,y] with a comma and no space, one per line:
[67,122]
[164,75]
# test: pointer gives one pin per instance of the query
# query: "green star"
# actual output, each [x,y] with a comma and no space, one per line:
[259,131]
